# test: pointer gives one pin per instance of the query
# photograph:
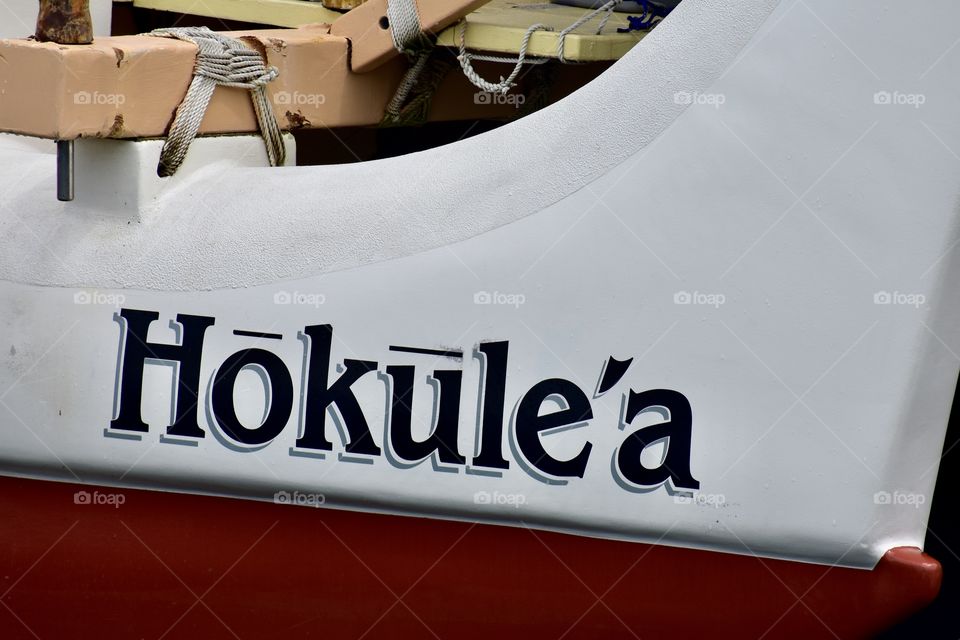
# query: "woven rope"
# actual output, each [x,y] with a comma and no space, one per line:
[507,83]
[226,62]
[405,29]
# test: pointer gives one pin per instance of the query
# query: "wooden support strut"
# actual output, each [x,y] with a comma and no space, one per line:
[65,22]
[369,31]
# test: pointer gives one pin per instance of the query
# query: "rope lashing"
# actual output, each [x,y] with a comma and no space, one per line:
[410,105]
[521,59]
[407,83]
[227,62]
[410,40]
[405,28]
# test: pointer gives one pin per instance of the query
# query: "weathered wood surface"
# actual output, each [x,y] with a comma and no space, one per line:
[496,26]
[65,22]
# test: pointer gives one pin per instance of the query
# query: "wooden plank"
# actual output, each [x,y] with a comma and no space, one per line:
[497,26]
[368,29]
[500,26]
[280,13]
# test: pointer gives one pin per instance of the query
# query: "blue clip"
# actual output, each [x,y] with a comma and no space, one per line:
[637,23]
[641,23]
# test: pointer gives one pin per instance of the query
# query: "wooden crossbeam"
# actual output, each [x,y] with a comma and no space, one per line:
[130,87]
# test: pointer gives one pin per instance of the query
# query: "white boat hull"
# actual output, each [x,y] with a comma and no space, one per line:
[740,206]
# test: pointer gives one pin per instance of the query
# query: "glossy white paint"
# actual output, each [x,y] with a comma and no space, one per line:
[781,252]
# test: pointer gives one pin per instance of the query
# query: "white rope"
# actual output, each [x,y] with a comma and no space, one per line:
[507,83]
[220,61]
[405,28]
[562,36]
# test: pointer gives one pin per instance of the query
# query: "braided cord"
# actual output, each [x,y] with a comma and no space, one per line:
[507,83]
[227,62]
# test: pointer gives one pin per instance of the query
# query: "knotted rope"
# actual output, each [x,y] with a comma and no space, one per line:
[410,106]
[405,29]
[410,40]
[507,83]
[607,9]
[220,61]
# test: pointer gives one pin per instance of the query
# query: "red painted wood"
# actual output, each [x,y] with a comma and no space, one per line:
[178,566]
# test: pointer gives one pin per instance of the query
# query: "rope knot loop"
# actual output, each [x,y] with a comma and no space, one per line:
[405,29]
[227,62]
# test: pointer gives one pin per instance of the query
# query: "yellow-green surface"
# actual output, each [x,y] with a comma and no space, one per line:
[500,25]
[281,13]
[496,27]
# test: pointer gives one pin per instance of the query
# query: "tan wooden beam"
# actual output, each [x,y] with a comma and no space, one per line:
[280,13]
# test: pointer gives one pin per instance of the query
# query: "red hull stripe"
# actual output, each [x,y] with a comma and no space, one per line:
[180,566]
